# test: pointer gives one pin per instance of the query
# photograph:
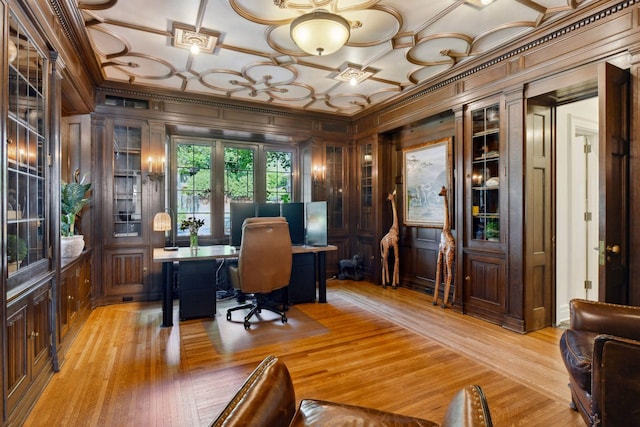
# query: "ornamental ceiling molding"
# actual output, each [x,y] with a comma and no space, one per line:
[517,51]
[401,42]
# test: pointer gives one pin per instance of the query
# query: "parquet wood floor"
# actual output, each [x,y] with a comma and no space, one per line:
[383,348]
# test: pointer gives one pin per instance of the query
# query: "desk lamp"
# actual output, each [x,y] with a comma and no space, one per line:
[162,222]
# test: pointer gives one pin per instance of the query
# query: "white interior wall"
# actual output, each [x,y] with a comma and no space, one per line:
[576,193]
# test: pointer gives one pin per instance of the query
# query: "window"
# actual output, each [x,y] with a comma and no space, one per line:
[238,180]
[193,167]
[279,176]
[211,174]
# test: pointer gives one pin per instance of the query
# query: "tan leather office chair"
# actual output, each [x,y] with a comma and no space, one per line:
[264,264]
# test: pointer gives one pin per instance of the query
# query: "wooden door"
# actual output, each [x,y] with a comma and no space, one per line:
[126,269]
[613,93]
[538,210]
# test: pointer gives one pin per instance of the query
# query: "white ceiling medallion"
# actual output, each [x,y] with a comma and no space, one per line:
[196,40]
[320,32]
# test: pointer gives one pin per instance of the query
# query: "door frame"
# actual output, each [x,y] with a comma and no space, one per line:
[600,79]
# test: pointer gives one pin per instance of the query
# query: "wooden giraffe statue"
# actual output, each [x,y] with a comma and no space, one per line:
[446,253]
[390,240]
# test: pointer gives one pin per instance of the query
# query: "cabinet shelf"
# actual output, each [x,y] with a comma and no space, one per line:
[487,158]
[486,132]
[485,188]
[487,215]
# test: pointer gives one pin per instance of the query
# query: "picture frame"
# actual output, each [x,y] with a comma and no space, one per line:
[426,169]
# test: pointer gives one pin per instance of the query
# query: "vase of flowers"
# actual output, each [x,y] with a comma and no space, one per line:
[192,224]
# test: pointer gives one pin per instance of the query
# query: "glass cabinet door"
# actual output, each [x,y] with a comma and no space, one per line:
[127,180]
[485,165]
[25,147]
[335,184]
[366,186]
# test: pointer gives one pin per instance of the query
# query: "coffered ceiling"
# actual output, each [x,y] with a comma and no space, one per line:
[394,45]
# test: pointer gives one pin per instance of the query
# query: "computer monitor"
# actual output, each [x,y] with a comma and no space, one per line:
[238,213]
[316,223]
[294,213]
[267,209]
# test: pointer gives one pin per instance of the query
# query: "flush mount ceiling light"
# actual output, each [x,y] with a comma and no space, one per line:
[199,40]
[353,73]
[320,32]
[480,3]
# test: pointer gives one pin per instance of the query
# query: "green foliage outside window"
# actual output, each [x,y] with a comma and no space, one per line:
[194,183]
[238,170]
[279,176]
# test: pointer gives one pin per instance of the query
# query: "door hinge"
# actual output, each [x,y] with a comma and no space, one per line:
[587,216]
[587,148]
[587,284]
[49,160]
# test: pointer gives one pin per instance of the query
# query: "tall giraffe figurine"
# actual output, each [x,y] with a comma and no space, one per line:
[390,240]
[446,253]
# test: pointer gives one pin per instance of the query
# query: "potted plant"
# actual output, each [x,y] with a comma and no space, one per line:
[16,252]
[72,200]
[491,231]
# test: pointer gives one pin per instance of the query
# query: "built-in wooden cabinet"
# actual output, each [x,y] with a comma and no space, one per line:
[484,260]
[28,211]
[366,238]
[128,146]
[336,188]
[28,354]
[130,173]
[74,300]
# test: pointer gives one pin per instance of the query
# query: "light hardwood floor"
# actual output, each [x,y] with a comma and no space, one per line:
[383,348]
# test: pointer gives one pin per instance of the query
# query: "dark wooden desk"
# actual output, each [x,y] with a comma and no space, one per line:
[167,258]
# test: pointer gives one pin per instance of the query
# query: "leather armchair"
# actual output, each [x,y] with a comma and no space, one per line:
[601,351]
[267,399]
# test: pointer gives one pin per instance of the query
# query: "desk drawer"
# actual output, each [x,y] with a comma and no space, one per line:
[302,285]
[197,289]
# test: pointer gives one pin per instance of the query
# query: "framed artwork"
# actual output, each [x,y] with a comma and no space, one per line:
[426,168]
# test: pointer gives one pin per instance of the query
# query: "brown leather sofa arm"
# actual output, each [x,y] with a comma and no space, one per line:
[605,318]
[468,408]
[265,399]
[615,380]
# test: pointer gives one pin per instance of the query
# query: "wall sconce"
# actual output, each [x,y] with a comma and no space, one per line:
[156,176]
[318,174]
[163,221]
[367,158]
